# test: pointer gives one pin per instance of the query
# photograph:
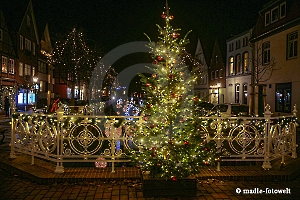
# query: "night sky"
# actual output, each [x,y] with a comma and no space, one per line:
[111,23]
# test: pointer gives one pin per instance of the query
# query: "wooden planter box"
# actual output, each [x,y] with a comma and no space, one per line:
[168,188]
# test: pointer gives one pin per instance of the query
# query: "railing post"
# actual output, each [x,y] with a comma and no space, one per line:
[294,142]
[113,146]
[267,137]
[12,139]
[59,164]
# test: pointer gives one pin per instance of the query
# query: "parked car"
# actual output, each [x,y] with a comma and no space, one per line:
[204,107]
[229,110]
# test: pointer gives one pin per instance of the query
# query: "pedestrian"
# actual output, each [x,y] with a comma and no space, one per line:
[6,106]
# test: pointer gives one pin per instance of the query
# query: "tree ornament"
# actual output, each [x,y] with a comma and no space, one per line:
[163,15]
[171,76]
[171,17]
[148,105]
[172,95]
[186,143]
[154,62]
[175,35]
[206,148]
[182,120]
[154,75]
[159,58]
[158,164]
[147,84]
[173,178]
[146,118]
[152,126]
[206,163]
[195,98]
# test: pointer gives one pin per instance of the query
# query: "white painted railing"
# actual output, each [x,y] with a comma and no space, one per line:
[65,138]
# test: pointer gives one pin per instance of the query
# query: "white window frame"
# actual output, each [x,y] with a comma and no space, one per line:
[292,43]
[280,12]
[4,64]
[216,74]
[267,52]
[21,69]
[231,65]
[27,44]
[11,66]
[221,73]
[267,18]
[274,20]
[27,70]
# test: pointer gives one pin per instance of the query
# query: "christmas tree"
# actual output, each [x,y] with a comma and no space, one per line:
[170,140]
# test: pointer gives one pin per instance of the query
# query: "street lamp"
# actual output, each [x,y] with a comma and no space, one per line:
[35,81]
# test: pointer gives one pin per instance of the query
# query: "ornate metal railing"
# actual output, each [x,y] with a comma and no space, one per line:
[63,138]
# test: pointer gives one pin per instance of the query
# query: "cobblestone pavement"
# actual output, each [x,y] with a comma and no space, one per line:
[14,187]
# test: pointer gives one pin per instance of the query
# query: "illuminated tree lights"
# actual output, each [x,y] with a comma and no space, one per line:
[170,143]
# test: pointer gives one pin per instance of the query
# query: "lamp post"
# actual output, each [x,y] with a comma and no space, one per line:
[35,81]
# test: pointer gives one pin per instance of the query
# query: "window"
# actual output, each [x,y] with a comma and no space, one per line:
[217,59]
[237,93]
[216,74]
[4,64]
[282,10]
[266,53]
[231,65]
[33,48]
[274,14]
[292,45]
[221,73]
[28,20]
[33,71]
[21,42]
[42,67]
[283,97]
[237,44]
[11,66]
[267,18]
[238,64]
[27,44]
[21,68]
[27,70]
[245,93]
[1,35]
[245,62]
[212,75]
[231,47]
[245,41]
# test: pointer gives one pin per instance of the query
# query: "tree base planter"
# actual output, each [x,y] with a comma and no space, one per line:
[169,188]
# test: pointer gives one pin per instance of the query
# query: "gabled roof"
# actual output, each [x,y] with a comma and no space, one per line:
[292,18]
[14,11]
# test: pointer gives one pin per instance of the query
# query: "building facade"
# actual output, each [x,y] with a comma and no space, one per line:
[276,41]
[239,68]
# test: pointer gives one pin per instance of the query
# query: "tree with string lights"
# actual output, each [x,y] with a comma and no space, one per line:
[170,141]
[73,60]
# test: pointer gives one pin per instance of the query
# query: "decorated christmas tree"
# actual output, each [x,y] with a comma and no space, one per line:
[171,139]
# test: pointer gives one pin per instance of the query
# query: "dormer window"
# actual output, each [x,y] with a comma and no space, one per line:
[274,14]
[282,10]
[267,18]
